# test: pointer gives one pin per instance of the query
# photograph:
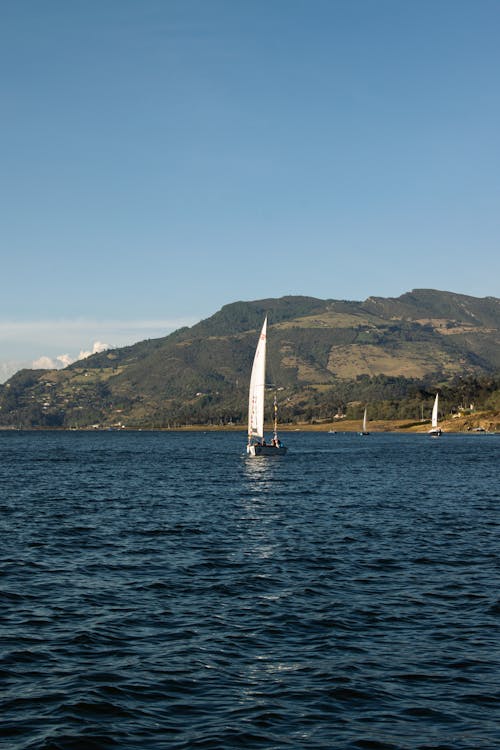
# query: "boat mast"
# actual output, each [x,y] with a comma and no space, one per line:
[275,419]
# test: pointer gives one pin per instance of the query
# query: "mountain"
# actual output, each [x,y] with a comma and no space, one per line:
[322,354]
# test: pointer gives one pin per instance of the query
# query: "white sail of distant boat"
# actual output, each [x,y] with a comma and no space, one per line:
[435,429]
[364,431]
[257,446]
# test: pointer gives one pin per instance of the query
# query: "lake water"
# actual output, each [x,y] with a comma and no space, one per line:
[161,590]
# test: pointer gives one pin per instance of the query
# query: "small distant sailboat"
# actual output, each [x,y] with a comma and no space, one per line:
[257,446]
[364,431]
[435,430]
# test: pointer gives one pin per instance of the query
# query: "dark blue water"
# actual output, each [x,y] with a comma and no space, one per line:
[160,590]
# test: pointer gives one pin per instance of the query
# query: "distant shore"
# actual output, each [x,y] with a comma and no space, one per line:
[484,421]
[476,422]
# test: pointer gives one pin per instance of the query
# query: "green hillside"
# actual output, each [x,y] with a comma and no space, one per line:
[323,355]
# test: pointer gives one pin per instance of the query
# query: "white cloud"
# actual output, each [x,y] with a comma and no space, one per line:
[63,360]
[38,343]
[96,349]
[44,363]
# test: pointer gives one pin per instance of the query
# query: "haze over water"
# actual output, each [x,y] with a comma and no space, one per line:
[162,590]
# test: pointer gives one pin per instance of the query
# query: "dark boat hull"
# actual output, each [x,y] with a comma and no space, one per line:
[266,450]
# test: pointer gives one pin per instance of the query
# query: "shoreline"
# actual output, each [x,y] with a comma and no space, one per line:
[481,423]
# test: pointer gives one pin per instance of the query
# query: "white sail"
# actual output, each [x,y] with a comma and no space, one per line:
[364,421]
[435,411]
[257,386]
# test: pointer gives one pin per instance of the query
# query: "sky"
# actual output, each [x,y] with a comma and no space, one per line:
[162,158]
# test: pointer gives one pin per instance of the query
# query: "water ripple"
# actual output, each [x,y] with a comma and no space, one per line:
[160,590]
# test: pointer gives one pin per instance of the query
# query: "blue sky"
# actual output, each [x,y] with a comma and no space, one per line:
[163,158]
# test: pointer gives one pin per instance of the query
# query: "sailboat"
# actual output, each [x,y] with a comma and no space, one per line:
[435,431]
[257,446]
[364,431]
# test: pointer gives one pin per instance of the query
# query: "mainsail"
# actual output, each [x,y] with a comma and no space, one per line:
[257,387]
[435,411]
